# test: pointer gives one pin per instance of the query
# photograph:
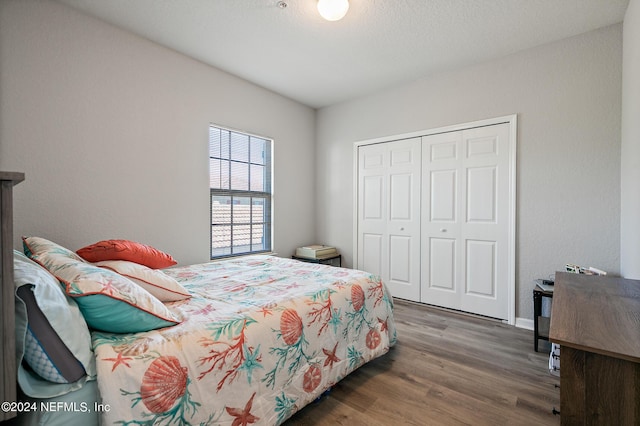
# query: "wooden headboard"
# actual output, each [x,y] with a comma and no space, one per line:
[8,391]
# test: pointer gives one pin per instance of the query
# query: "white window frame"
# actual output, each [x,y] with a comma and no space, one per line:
[222,219]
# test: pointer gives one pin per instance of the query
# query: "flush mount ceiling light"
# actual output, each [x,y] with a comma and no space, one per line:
[333,10]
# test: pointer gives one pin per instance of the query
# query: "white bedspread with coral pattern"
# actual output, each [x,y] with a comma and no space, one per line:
[261,337]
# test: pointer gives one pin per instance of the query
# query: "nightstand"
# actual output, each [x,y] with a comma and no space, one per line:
[332,260]
[540,323]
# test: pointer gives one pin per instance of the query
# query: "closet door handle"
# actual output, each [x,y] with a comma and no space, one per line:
[443,230]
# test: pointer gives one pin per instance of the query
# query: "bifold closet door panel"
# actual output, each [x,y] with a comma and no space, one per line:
[441,230]
[486,224]
[389,214]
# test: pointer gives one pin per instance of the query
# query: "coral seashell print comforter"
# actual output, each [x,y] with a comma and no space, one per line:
[260,338]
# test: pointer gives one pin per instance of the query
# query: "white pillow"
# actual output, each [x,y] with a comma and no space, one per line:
[156,282]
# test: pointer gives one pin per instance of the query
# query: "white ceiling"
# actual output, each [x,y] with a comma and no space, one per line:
[379,44]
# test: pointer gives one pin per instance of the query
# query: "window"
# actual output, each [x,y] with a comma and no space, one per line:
[240,188]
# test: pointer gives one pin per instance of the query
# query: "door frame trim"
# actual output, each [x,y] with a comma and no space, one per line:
[512,120]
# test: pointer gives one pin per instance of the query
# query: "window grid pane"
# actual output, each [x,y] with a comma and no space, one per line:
[239,147]
[257,177]
[225,140]
[239,176]
[240,184]
[257,150]
[214,142]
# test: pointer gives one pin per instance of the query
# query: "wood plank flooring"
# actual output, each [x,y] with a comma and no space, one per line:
[446,369]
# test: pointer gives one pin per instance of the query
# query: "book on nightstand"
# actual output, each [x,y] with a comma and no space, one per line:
[316,251]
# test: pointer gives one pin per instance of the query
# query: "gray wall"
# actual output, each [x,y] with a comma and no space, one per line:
[630,171]
[111,131]
[568,99]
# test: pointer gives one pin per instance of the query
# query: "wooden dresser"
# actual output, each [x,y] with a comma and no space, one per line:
[596,321]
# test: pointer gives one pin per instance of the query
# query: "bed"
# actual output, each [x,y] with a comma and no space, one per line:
[247,340]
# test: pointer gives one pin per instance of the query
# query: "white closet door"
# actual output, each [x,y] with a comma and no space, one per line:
[389,214]
[441,230]
[465,220]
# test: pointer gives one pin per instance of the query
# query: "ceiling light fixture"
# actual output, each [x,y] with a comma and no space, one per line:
[333,10]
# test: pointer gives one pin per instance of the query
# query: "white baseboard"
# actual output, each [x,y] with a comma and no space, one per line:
[524,323]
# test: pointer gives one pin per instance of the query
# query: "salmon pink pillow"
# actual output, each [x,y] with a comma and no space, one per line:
[126,250]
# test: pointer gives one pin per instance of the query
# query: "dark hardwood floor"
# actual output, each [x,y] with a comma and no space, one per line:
[446,369]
